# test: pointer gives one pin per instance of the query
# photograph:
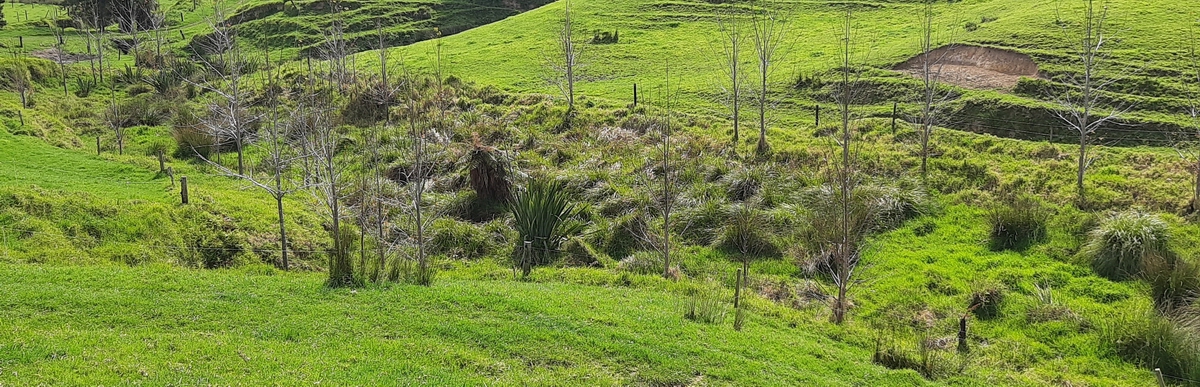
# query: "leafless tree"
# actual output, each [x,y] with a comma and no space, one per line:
[315,120]
[768,33]
[1081,99]
[933,95]
[668,178]
[733,40]
[117,118]
[60,47]
[18,80]
[564,64]
[229,118]
[128,14]
[280,155]
[88,21]
[842,217]
[336,49]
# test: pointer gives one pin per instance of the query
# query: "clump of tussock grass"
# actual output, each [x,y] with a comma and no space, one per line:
[642,262]
[1119,248]
[745,183]
[1046,308]
[1174,283]
[746,233]
[704,305]
[1017,224]
[1171,344]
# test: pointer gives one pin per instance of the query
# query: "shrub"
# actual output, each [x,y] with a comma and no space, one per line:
[84,87]
[1118,248]
[1018,224]
[745,234]
[544,217]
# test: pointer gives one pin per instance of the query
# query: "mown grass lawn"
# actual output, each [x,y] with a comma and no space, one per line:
[168,326]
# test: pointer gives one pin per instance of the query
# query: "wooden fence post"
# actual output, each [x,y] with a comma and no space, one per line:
[635,95]
[97,145]
[20,42]
[1158,374]
[962,334]
[737,291]
[817,116]
[171,173]
[21,115]
[183,189]
[162,165]
[895,110]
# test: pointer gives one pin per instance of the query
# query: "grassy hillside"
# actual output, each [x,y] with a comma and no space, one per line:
[84,235]
[247,328]
[1145,40]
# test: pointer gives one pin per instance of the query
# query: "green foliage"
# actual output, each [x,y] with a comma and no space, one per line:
[643,262]
[341,268]
[745,234]
[544,218]
[460,240]
[1119,248]
[84,87]
[1153,341]
[705,306]
[1018,223]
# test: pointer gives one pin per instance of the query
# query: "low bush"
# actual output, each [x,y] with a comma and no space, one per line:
[544,217]
[1018,224]
[1118,248]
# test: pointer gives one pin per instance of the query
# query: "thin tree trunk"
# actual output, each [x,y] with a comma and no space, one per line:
[282,228]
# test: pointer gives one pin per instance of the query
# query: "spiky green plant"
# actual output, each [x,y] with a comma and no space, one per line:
[1119,248]
[544,217]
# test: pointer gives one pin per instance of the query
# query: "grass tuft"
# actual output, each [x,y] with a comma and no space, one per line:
[1119,248]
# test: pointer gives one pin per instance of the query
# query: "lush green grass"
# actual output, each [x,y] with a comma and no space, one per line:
[513,53]
[245,328]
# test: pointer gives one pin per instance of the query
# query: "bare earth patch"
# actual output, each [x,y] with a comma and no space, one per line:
[976,67]
[58,56]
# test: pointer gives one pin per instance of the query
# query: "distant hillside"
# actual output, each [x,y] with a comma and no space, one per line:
[302,24]
[1145,38]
